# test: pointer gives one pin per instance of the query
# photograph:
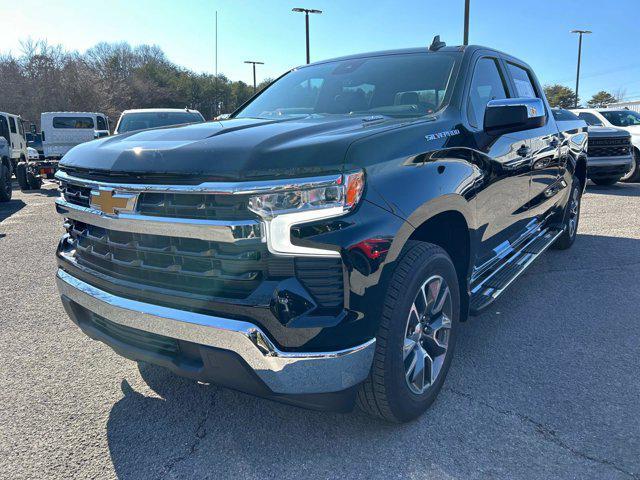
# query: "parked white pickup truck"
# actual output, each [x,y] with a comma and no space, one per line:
[617,118]
[12,130]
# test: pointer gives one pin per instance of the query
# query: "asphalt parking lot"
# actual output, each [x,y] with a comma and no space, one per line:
[544,385]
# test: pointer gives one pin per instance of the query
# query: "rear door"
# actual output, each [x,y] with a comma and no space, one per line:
[503,194]
[544,145]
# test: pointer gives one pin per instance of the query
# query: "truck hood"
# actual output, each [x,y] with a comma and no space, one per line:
[607,132]
[233,150]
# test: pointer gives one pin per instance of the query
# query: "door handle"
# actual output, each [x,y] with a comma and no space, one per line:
[523,151]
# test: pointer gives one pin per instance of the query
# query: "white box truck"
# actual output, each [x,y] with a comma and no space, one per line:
[61,131]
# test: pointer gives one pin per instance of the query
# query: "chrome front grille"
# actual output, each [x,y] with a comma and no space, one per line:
[180,264]
[199,239]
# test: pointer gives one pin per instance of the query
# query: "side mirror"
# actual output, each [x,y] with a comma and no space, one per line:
[514,115]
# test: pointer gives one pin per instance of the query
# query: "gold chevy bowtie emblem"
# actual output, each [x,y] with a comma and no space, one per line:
[111,203]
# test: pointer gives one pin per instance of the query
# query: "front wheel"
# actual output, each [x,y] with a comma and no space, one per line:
[6,189]
[571,217]
[633,175]
[35,183]
[416,336]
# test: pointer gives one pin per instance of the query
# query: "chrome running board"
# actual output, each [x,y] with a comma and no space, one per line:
[491,285]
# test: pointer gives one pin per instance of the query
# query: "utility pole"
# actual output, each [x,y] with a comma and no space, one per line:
[466,22]
[254,72]
[306,12]
[216,44]
[580,33]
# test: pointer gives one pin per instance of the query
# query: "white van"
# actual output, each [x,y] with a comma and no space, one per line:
[12,129]
[61,131]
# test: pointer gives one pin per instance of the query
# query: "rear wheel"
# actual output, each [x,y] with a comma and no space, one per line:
[6,189]
[416,336]
[34,182]
[571,217]
[605,181]
[21,175]
[633,175]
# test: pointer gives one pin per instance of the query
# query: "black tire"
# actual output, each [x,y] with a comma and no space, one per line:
[605,181]
[6,189]
[35,183]
[387,392]
[571,212]
[21,175]
[633,175]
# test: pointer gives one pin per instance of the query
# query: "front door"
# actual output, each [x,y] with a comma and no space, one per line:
[505,162]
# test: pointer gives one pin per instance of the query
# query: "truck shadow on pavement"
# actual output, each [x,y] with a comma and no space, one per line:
[618,189]
[9,208]
[522,398]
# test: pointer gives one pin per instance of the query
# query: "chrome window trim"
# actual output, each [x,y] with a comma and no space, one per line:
[211,230]
[221,188]
[283,372]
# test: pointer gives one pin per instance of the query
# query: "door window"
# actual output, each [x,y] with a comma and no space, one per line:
[522,81]
[487,84]
[591,119]
[72,122]
[12,125]
[4,127]
[102,125]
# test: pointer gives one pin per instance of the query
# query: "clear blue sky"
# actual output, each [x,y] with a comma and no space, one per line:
[535,30]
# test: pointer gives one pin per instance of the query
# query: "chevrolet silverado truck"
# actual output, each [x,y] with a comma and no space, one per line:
[622,119]
[324,244]
[610,152]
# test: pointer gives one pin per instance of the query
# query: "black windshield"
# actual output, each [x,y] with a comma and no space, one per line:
[404,85]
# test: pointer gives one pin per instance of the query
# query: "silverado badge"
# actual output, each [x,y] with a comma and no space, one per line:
[109,202]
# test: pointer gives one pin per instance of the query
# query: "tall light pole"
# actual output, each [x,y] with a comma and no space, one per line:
[580,33]
[254,72]
[466,22]
[306,12]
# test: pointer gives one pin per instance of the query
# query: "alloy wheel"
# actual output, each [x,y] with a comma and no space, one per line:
[574,211]
[427,334]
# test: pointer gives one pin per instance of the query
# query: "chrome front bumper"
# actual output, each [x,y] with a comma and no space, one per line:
[621,160]
[282,372]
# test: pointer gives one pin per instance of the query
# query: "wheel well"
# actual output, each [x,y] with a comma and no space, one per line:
[581,172]
[449,230]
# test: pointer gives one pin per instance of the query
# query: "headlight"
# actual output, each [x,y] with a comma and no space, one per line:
[343,193]
[303,202]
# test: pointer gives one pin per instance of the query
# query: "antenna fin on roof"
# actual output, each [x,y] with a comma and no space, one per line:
[436,44]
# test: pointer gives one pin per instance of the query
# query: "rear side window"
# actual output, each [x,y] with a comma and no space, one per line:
[522,81]
[12,125]
[591,119]
[102,125]
[73,122]
[487,84]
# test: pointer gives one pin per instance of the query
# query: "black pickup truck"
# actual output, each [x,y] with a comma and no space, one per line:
[322,246]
